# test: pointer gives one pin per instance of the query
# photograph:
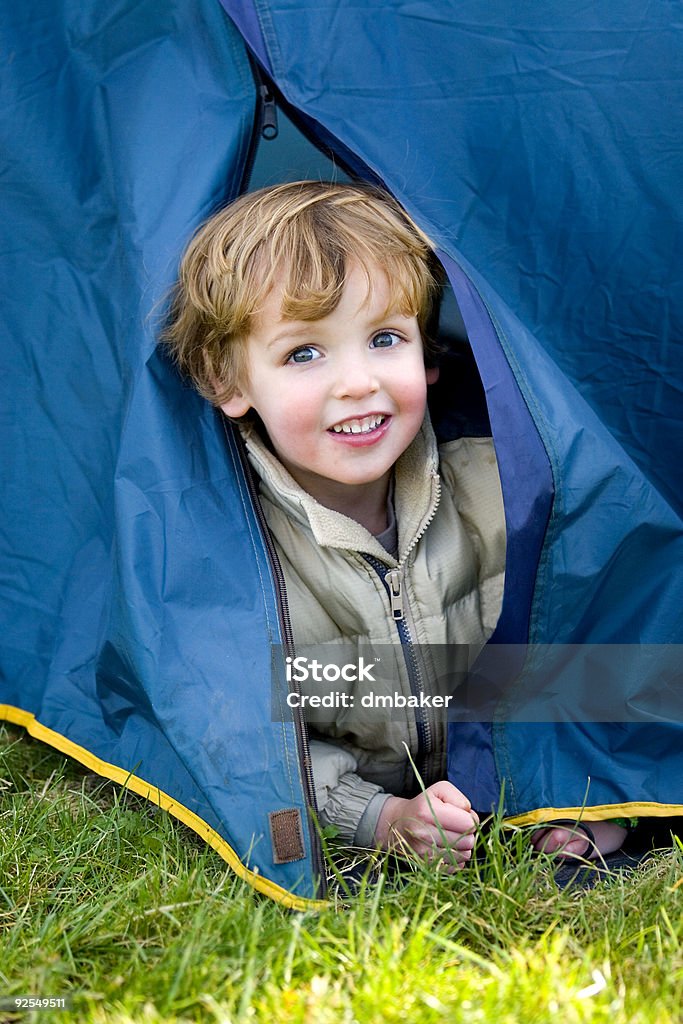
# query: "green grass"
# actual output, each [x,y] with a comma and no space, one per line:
[108,900]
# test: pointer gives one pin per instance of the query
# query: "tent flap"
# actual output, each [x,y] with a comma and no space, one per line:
[539,150]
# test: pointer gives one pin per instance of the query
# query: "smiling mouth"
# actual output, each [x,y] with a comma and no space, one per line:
[359,426]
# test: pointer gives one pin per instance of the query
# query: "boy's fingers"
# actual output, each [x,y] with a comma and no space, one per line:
[440,819]
[450,794]
[465,842]
[453,819]
[426,839]
[447,854]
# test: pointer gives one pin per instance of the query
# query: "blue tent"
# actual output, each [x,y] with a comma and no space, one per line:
[539,148]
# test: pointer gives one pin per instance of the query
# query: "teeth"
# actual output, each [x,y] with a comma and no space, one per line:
[362,426]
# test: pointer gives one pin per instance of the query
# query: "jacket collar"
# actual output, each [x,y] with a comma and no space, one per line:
[416,496]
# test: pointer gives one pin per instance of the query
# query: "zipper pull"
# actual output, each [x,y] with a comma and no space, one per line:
[269,126]
[395,583]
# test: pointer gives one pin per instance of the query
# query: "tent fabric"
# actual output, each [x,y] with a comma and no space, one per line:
[539,142]
[129,123]
[532,149]
[538,149]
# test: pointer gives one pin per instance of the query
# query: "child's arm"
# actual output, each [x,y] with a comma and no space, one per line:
[344,799]
[437,824]
[352,805]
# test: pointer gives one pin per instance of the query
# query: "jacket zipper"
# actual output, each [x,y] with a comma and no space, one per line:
[393,584]
[303,746]
[394,588]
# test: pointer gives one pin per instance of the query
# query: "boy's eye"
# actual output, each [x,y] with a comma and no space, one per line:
[385,339]
[305,354]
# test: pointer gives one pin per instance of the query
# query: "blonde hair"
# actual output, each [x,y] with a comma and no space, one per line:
[299,237]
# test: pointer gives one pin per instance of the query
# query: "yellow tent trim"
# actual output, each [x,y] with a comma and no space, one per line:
[29,722]
[598,812]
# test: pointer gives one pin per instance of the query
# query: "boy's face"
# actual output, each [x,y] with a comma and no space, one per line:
[341,397]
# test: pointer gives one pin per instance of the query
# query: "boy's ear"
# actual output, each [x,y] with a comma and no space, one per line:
[236,406]
[432,374]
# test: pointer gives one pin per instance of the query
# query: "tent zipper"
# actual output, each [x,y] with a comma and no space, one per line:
[269,125]
[303,746]
[265,124]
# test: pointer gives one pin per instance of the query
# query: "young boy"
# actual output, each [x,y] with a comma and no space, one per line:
[306,312]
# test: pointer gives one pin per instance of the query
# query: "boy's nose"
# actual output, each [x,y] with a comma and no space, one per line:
[356,379]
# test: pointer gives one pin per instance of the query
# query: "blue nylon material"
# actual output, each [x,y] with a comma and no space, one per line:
[541,143]
[137,607]
[526,477]
[537,148]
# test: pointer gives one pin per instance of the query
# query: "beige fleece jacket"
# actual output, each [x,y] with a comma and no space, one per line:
[450,571]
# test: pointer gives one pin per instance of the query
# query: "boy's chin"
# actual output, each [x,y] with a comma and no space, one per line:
[315,483]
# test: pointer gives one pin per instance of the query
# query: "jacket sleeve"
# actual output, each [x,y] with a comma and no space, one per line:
[344,799]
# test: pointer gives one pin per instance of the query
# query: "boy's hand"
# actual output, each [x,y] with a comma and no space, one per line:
[411,823]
